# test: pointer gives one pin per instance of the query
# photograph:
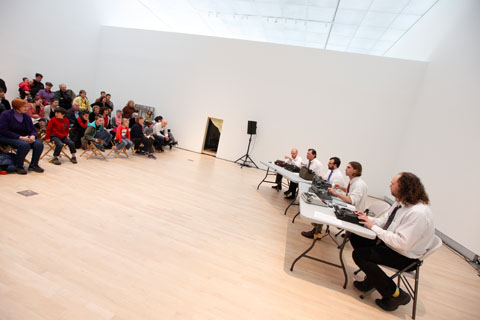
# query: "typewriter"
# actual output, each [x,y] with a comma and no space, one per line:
[346,215]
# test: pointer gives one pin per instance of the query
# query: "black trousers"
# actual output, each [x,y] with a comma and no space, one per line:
[292,187]
[147,144]
[59,145]
[367,254]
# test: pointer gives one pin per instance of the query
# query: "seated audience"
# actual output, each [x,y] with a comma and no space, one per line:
[105,113]
[133,119]
[36,111]
[123,136]
[167,133]
[46,94]
[3,85]
[24,88]
[95,112]
[313,164]
[65,96]
[57,130]
[7,162]
[96,133]
[17,131]
[109,101]
[73,113]
[4,103]
[78,129]
[37,85]
[102,95]
[158,134]
[102,102]
[49,110]
[404,234]
[139,137]
[82,101]
[129,109]
[295,160]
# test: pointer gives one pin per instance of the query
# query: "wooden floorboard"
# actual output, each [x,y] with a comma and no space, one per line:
[186,236]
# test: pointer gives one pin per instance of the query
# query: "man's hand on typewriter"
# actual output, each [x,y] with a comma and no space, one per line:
[364,219]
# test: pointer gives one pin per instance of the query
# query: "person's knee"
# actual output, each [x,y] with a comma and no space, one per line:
[22,146]
[360,254]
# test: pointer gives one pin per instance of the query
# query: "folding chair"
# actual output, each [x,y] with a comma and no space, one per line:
[403,274]
[8,149]
[51,146]
[93,151]
[123,150]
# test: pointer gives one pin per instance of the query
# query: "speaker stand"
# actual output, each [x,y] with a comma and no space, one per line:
[246,157]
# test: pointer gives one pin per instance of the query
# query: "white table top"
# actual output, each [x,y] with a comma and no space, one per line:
[326,215]
[292,176]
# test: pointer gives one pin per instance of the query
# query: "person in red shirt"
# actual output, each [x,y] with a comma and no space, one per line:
[24,87]
[78,129]
[123,136]
[57,131]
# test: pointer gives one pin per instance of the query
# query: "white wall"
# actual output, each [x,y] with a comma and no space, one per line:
[441,142]
[59,39]
[348,105]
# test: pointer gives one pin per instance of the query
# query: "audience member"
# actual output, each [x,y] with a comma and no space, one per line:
[65,96]
[295,160]
[129,109]
[102,95]
[102,102]
[78,129]
[105,112]
[46,94]
[4,103]
[82,101]
[123,136]
[37,85]
[50,109]
[404,234]
[57,130]
[110,102]
[95,112]
[139,137]
[17,131]
[24,88]
[96,133]
[313,164]
[36,111]
[73,113]
[3,85]
[133,119]
[149,116]
[167,133]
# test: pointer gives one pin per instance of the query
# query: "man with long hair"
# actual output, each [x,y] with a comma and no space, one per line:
[403,235]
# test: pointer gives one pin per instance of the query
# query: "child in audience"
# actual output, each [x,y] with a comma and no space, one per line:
[57,130]
[116,122]
[78,130]
[24,88]
[123,136]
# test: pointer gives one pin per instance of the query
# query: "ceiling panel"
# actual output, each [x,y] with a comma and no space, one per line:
[361,26]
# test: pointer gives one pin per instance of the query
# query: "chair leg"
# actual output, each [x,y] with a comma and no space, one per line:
[415,292]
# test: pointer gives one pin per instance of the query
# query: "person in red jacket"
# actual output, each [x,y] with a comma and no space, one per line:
[57,131]
[123,136]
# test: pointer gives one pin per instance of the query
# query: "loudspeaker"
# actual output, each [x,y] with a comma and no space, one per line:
[252,127]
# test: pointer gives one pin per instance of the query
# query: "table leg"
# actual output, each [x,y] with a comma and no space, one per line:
[291,203]
[306,251]
[293,220]
[266,175]
[340,255]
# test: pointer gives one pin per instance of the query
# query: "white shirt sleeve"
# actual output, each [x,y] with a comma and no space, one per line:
[358,193]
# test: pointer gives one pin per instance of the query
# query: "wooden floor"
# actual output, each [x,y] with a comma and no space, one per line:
[186,236]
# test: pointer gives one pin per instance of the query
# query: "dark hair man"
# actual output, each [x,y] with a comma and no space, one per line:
[356,191]
[4,103]
[37,85]
[313,164]
[403,235]
[293,159]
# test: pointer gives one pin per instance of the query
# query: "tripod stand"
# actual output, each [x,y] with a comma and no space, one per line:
[246,158]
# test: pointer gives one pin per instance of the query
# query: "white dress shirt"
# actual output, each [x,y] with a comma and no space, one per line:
[336,178]
[411,231]
[358,193]
[296,162]
[315,165]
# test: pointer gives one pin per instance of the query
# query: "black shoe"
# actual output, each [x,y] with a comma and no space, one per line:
[287,192]
[21,170]
[171,146]
[35,168]
[290,197]
[363,286]
[309,234]
[391,303]
[277,187]
[55,161]
[74,160]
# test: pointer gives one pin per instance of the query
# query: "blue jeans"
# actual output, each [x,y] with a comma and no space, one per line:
[23,148]
[125,142]
[59,145]
[104,135]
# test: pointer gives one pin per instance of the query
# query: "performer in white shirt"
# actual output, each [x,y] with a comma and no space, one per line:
[295,160]
[356,191]
[335,175]
[336,178]
[313,164]
[403,235]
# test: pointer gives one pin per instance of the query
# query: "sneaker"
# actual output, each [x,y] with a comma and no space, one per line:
[363,286]
[151,156]
[74,159]
[21,170]
[392,303]
[55,161]
[35,168]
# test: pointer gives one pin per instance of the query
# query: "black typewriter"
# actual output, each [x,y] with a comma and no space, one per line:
[346,215]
